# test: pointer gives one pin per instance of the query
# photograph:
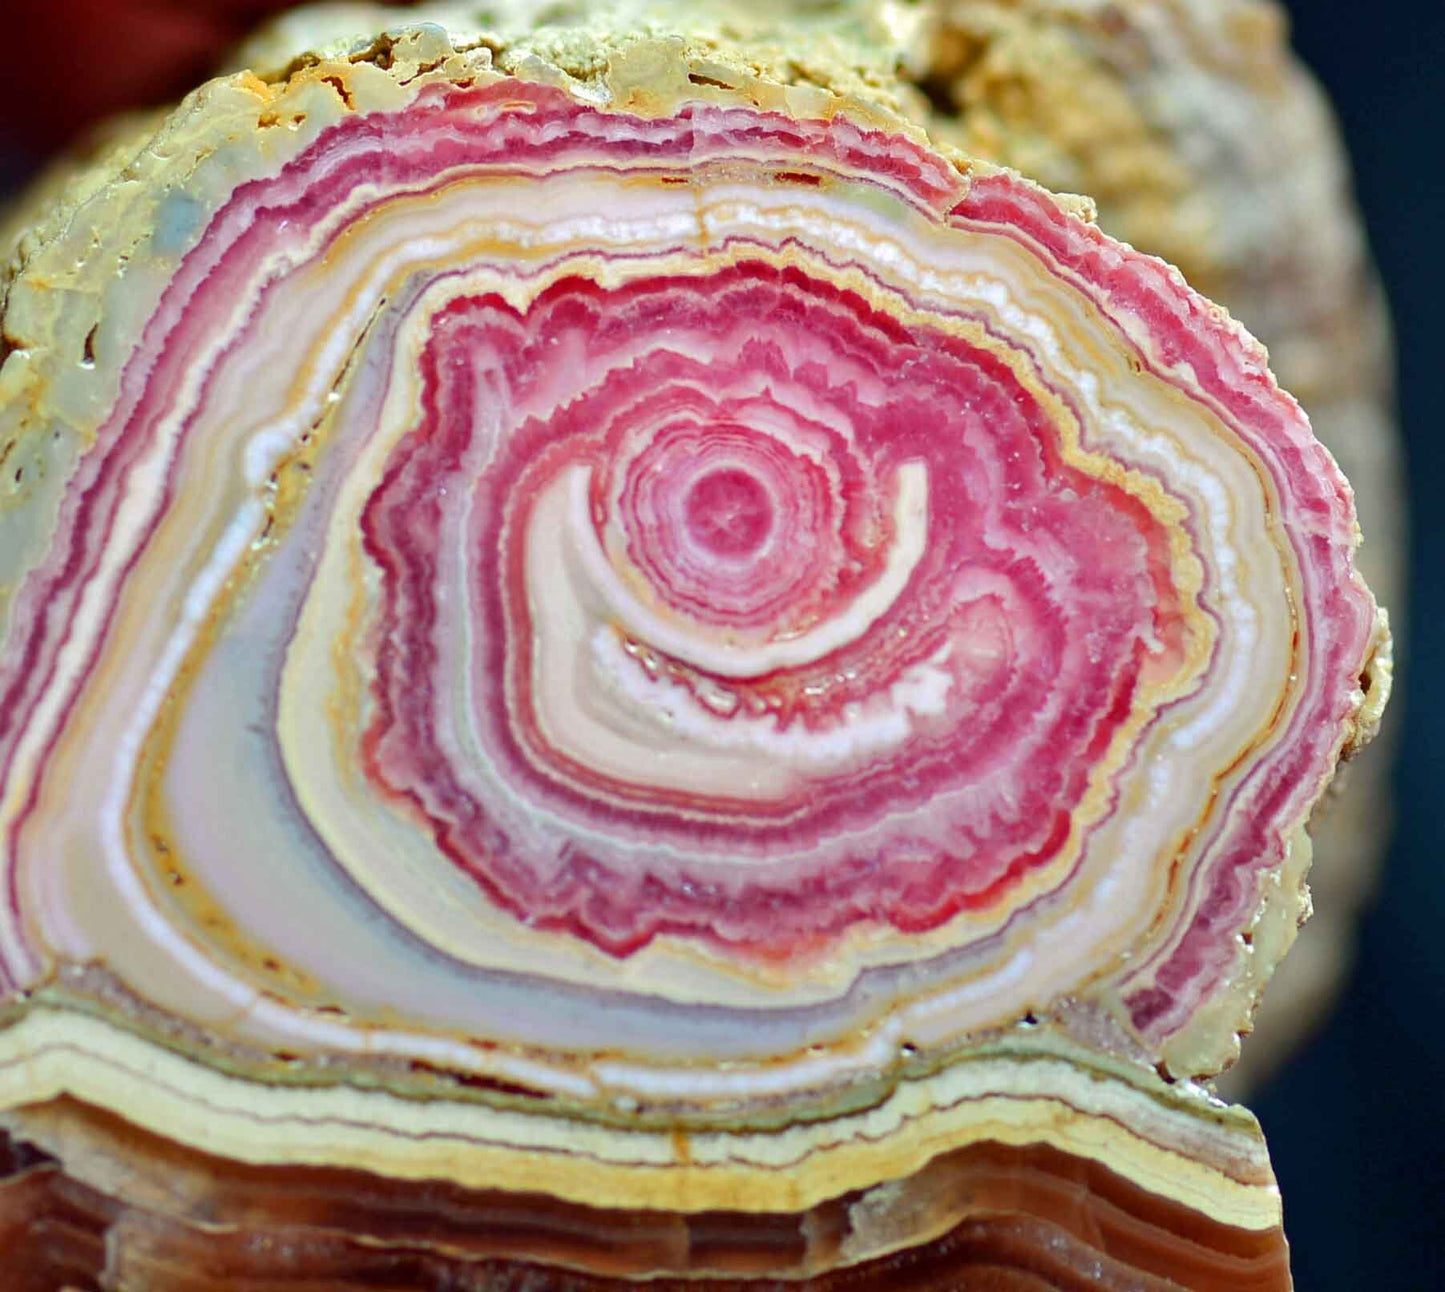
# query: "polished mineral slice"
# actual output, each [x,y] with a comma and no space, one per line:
[615,668]
[1202,140]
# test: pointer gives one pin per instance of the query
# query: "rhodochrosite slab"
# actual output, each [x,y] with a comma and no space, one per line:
[1203,141]
[544,603]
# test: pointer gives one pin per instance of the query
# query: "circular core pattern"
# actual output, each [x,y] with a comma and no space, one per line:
[742,597]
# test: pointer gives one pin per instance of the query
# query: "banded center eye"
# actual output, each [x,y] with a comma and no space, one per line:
[729,513]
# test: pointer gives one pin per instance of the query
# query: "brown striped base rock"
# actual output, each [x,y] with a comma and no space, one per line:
[179,1220]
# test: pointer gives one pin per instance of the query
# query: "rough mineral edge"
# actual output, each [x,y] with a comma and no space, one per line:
[78,285]
[1204,141]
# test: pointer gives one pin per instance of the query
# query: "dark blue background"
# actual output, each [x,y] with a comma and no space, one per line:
[1357,1121]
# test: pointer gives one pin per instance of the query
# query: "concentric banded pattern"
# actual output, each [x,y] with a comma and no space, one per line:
[766,625]
[667,604]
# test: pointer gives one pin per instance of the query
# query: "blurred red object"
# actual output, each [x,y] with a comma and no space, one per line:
[85,59]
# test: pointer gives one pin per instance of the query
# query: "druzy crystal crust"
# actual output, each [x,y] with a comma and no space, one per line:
[600,638]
